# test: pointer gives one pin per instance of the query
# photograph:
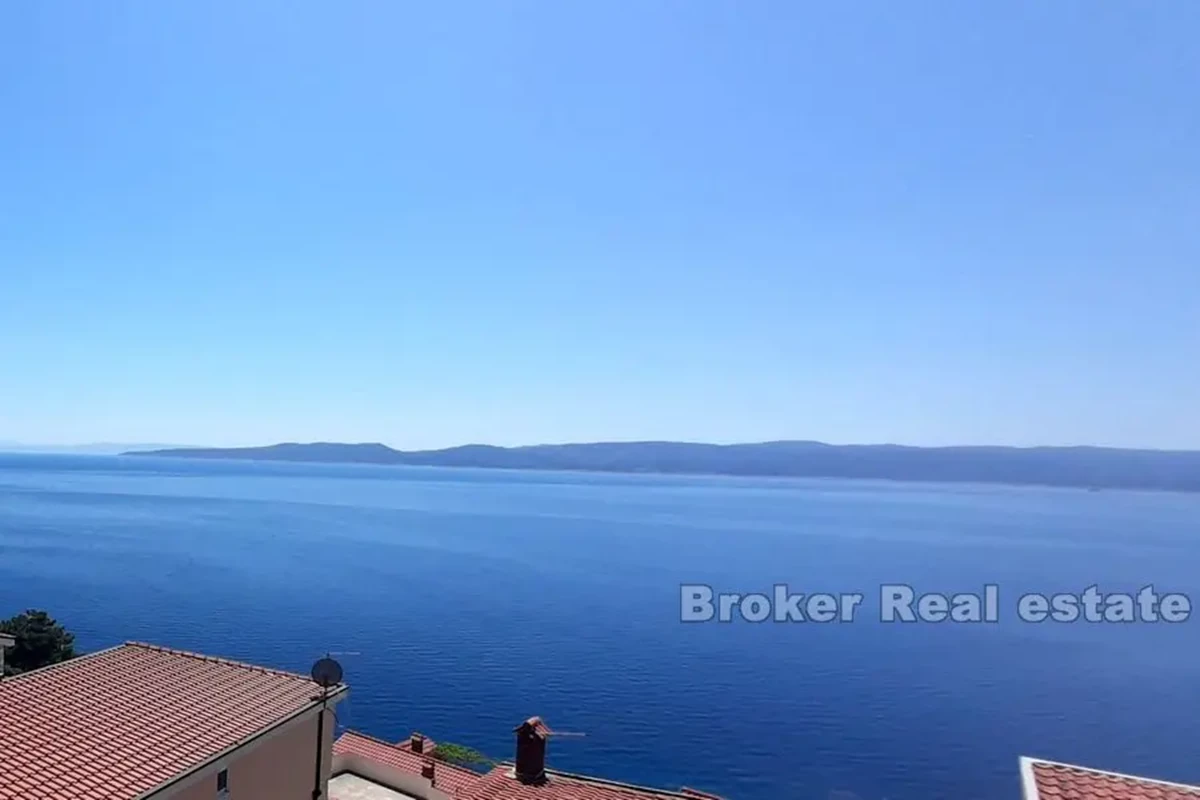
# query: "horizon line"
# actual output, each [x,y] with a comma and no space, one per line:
[145,446]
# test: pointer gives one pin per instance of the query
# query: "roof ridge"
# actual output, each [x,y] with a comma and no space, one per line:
[70,661]
[215,660]
[376,739]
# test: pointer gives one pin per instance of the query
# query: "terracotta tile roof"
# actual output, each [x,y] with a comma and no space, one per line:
[500,784]
[449,778]
[124,721]
[1049,780]
[687,791]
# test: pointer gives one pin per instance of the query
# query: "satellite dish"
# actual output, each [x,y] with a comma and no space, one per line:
[326,673]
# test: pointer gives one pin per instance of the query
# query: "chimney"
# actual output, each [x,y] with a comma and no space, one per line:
[531,750]
[416,743]
[427,771]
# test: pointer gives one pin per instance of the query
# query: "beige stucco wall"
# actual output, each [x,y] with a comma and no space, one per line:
[277,767]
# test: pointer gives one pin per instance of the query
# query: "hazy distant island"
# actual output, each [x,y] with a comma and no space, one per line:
[1083,467]
[94,448]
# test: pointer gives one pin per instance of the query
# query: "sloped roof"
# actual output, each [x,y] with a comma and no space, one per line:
[1050,780]
[124,721]
[500,783]
[447,777]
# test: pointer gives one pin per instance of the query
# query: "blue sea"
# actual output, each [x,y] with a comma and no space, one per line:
[462,601]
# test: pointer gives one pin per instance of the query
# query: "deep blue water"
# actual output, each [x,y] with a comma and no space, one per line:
[476,598]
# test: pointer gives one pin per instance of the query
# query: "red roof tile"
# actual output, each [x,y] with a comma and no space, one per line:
[121,722]
[1048,780]
[449,778]
[501,784]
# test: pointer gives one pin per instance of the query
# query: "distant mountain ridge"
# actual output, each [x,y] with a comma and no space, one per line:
[92,448]
[1085,467]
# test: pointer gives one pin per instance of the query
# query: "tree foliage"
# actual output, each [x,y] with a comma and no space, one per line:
[40,641]
[461,755]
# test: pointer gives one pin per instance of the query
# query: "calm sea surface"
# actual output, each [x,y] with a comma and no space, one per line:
[470,599]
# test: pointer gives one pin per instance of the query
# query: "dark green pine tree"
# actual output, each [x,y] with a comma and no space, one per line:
[40,641]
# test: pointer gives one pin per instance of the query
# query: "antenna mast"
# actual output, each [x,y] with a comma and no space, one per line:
[326,673]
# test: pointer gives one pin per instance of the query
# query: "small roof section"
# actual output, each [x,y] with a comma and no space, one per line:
[449,778]
[125,721]
[1051,780]
[501,783]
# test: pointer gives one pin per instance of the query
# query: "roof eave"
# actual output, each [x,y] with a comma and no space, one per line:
[1029,789]
[1188,787]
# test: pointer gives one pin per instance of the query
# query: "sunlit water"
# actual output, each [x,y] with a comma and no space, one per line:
[467,600]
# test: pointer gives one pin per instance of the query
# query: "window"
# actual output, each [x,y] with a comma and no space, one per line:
[223,784]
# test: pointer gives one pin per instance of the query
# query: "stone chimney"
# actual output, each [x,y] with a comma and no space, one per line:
[416,742]
[531,750]
[427,771]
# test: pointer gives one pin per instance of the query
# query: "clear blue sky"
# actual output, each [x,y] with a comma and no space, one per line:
[430,223]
